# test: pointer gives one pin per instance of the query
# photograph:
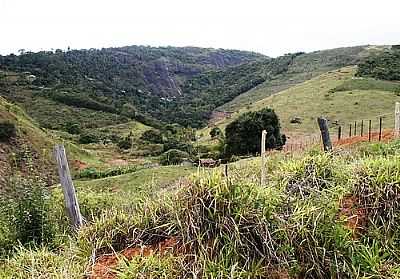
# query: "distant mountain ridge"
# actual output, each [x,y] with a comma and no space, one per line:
[158,71]
[99,87]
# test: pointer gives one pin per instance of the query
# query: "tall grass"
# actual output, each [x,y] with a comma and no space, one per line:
[300,225]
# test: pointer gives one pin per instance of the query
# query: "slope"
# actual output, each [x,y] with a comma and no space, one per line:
[304,67]
[131,82]
[29,151]
[338,95]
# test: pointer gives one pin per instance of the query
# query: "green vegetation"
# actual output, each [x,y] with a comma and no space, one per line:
[315,98]
[383,65]
[173,157]
[119,84]
[303,67]
[243,136]
[7,131]
[367,84]
[215,132]
[93,173]
[320,215]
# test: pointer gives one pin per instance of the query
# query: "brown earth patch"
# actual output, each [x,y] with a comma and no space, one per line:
[355,216]
[118,162]
[279,274]
[105,265]
[79,165]
[218,116]
[387,135]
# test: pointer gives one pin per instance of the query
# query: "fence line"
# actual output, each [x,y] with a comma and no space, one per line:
[357,130]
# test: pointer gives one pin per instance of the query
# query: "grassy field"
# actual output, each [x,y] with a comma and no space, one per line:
[303,68]
[319,215]
[320,97]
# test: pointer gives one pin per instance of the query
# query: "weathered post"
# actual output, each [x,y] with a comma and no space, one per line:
[362,128]
[71,202]
[350,131]
[369,130]
[263,141]
[355,128]
[397,120]
[339,133]
[380,128]
[326,140]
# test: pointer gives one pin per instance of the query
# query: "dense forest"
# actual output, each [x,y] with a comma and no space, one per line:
[382,65]
[144,79]
[155,85]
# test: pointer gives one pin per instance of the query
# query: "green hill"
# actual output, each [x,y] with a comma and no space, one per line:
[337,95]
[29,151]
[116,83]
[303,67]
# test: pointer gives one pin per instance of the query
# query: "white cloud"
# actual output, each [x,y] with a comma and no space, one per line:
[272,27]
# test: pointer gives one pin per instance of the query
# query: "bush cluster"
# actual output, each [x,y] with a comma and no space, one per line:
[7,130]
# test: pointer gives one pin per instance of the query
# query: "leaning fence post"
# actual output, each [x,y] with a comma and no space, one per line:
[326,140]
[397,120]
[263,140]
[71,202]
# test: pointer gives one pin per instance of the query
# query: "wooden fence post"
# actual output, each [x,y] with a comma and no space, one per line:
[326,140]
[380,128]
[263,141]
[362,128]
[397,120]
[339,133]
[350,131]
[369,130]
[355,128]
[71,202]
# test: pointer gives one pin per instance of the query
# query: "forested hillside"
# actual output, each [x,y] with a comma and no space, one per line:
[382,65]
[134,82]
[165,85]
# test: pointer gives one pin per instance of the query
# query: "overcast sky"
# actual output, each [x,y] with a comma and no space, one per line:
[272,27]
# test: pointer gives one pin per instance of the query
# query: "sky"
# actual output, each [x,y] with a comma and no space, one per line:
[271,27]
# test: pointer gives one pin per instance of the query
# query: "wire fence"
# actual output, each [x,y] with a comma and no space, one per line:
[377,128]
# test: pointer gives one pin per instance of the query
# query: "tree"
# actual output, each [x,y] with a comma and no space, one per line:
[243,136]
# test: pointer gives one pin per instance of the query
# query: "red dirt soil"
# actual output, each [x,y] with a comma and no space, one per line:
[355,216]
[79,165]
[387,135]
[106,264]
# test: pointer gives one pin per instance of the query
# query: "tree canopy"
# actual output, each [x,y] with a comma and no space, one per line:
[243,136]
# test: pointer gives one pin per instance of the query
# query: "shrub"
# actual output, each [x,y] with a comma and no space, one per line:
[125,143]
[87,138]
[93,173]
[215,132]
[73,128]
[173,157]
[152,135]
[7,131]
[243,136]
[25,209]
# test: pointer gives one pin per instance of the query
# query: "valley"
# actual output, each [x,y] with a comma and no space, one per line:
[163,146]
